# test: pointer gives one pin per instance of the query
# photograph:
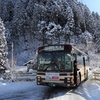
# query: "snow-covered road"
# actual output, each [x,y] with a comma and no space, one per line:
[21,91]
[88,90]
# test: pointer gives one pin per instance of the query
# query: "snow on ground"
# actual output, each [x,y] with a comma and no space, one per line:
[20,68]
[21,91]
[88,90]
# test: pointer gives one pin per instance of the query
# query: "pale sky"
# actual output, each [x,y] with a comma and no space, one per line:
[93,5]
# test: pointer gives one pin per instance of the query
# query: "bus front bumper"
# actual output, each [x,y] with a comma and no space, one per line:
[54,83]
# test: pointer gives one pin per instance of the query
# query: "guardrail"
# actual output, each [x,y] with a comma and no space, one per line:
[26,77]
[20,76]
[96,75]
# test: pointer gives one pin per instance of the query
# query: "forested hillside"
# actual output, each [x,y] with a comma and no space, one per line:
[31,23]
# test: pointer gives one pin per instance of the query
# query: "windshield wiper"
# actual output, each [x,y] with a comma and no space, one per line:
[53,66]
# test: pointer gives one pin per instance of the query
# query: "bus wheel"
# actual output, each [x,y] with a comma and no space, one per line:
[86,75]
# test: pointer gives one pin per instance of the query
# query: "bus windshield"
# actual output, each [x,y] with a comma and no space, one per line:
[54,61]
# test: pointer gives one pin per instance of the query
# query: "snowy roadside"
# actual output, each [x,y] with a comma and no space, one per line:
[88,90]
[21,91]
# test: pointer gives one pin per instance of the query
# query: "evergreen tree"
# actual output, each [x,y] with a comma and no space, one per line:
[69,18]
[3,47]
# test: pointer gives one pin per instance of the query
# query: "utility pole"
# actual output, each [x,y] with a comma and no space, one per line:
[12,56]
[12,65]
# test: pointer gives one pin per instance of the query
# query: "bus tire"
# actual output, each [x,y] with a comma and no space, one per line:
[86,75]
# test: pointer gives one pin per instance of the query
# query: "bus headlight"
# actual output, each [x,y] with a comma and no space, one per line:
[39,80]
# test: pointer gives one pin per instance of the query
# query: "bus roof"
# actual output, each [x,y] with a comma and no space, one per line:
[59,47]
[79,51]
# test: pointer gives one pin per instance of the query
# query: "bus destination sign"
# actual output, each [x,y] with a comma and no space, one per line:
[53,48]
[66,48]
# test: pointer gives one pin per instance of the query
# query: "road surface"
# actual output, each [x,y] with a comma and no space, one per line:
[88,90]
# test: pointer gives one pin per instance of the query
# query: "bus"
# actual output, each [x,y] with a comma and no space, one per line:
[61,65]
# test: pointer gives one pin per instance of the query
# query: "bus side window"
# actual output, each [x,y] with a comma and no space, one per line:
[87,58]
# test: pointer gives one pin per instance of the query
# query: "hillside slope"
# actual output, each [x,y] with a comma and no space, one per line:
[31,23]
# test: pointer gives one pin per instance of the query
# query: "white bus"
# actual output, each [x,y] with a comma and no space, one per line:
[61,65]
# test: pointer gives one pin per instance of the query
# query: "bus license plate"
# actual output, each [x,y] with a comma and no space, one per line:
[52,76]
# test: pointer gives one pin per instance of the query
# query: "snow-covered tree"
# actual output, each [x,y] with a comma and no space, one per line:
[65,21]
[3,46]
[85,37]
[78,11]
[49,33]
[89,20]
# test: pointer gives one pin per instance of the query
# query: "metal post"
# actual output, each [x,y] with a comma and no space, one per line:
[12,55]
[12,64]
